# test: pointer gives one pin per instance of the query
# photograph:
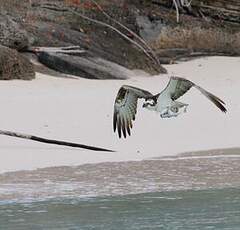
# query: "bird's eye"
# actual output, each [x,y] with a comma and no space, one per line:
[174,109]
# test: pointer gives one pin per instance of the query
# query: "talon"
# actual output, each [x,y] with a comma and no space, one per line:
[185,109]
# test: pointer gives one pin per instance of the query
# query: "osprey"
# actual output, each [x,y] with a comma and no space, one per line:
[125,106]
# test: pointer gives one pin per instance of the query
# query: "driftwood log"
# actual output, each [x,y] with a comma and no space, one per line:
[227,10]
[80,62]
[50,141]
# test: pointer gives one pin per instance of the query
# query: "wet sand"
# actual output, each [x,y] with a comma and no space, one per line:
[190,171]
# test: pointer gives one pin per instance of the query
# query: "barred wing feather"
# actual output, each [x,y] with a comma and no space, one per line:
[179,86]
[125,108]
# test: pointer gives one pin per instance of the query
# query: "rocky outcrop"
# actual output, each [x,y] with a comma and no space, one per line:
[11,34]
[14,66]
[55,26]
[82,64]
[64,23]
[149,30]
[74,61]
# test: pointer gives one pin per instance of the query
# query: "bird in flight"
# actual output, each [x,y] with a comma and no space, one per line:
[125,106]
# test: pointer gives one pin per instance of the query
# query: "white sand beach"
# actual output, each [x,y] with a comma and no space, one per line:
[80,110]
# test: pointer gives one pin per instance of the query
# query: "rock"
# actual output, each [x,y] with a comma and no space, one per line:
[14,66]
[83,65]
[47,35]
[58,23]
[149,29]
[55,27]
[11,35]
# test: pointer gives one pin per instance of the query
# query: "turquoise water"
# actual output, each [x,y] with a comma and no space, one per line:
[189,191]
[207,209]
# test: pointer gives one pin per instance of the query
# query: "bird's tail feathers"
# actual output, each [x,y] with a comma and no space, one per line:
[214,99]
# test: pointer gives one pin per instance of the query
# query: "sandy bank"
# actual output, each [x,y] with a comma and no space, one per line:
[81,111]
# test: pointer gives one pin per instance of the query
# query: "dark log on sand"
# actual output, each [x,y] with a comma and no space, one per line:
[79,62]
[50,141]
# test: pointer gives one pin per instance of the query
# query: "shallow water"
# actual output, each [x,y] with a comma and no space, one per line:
[189,191]
[209,209]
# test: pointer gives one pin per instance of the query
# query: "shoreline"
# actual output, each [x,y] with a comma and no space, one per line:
[80,110]
[201,171]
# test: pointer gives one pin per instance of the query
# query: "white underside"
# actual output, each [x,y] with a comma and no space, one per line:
[167,107]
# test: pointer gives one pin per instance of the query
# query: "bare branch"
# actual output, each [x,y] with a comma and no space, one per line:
[178,4]
[49,141]
[186,3]
[177,10]
[130,31]
[105,25]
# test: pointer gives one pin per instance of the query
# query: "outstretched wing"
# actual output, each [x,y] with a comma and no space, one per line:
[179,86]
[125,108]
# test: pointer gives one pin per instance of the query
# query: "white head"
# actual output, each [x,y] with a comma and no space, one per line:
[149,104]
